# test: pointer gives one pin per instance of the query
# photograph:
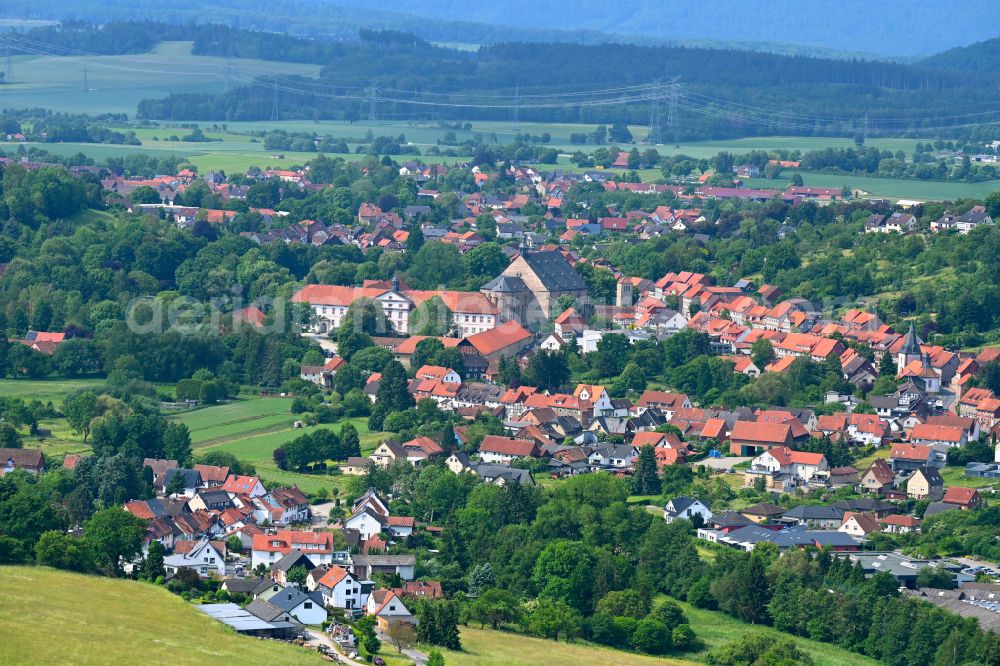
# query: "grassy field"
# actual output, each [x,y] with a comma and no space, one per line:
[45,389]
[955,476]
[41,622]
[922,190]
[235,419]
[252,429]
[117,83]
[716,629]
[483,647]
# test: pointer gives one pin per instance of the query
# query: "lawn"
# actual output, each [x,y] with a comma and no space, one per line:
[483,647]
[41,623]
[861,464]
[955,476]
[45,389]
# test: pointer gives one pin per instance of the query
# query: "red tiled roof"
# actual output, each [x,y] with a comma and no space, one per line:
[914,452]
[507,446]
[772,433]
[409,345]
[292,539]
[936,433]
[240,484]
[787,456]
[497,339]
[333,576]
[901,520]
[960,495]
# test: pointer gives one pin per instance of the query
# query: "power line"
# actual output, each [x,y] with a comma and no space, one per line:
[372,102]
[9,60]
[517,102]
[672,119]
[274,104]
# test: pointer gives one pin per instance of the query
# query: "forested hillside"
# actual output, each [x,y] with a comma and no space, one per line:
[889,27]
[979,57]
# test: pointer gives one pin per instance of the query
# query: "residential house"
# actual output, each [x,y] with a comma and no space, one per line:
[202,557]
[905,458]
[925,482]
[387,452]
[340,589]
[307,608]
[763,513]
[29,460]
[878,477]
[686,508]
[496,449]
[268,548]
[928,434]
[782,468]
[388,609]
[821,517]
[363,567]
[859,525]
[501,475]
[250,486]
[964,498]
[899,524]
[750,437]
[296,558]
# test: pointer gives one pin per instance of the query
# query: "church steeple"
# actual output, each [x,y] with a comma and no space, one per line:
[910,351]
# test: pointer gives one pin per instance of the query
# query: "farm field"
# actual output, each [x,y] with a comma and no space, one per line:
[252,429]
[484,647]
[235,418]
[116,84]
[45,389]
[41,623]
[921,190]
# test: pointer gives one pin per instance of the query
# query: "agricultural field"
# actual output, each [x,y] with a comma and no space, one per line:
[46,390]
[235,419]
[116,84]
[41,622]
[252,429]
[895,188]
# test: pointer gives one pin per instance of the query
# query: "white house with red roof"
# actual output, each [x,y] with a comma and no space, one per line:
[928,434]
[268,548]
[496,449]
[339,588]
[388,609]
[244,485]
[782,464]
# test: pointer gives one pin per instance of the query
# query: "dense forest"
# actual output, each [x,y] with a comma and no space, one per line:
[979,57]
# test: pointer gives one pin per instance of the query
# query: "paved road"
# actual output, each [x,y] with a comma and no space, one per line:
[320,513]
[722,463]
[418,657]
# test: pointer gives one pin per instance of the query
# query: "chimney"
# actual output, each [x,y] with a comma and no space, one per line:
[395,283]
